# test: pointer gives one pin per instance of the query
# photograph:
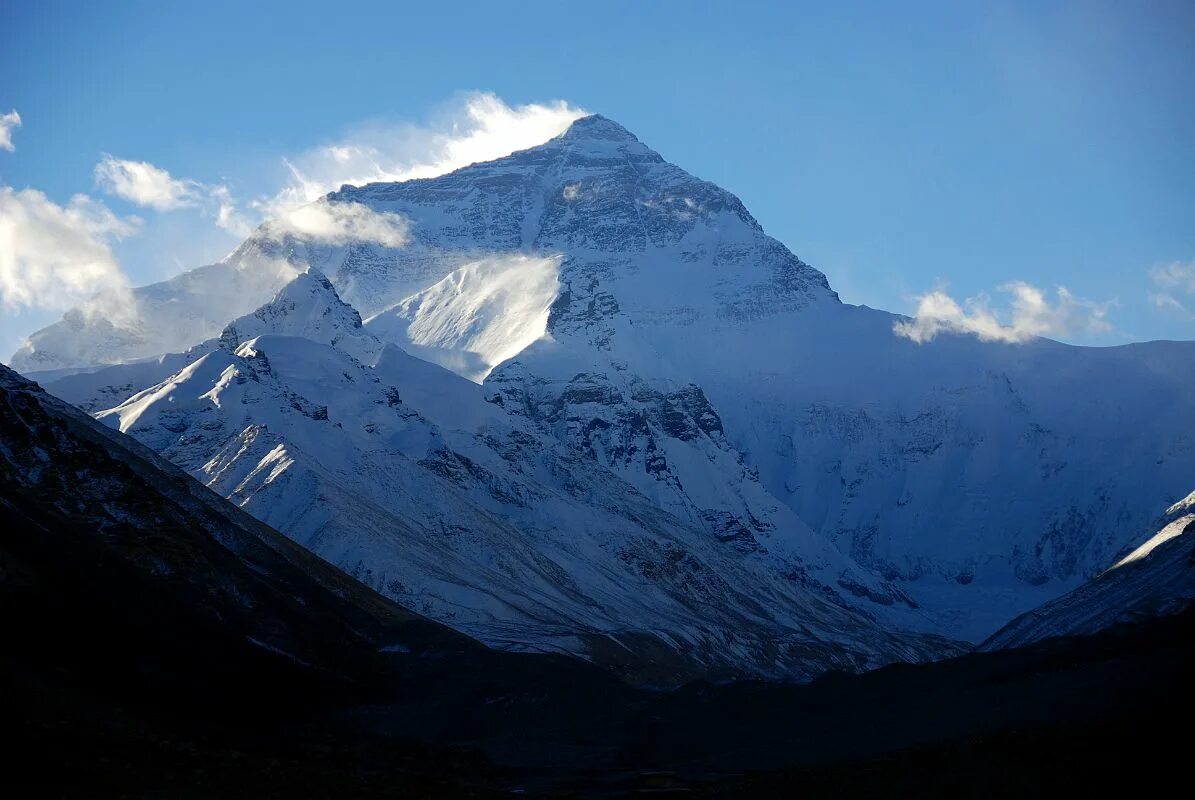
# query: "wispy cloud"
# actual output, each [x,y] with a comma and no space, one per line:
[228,214]
[1168,302]
[8,122]
[146,185]
[55,257]
[1176,278]
[151,186]
[1176,275]
[1031,314]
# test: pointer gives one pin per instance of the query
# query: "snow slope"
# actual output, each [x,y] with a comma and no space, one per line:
[1155,579]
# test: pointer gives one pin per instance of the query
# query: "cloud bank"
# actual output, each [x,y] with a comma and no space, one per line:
[56,257]
[8,122]
[1031,315]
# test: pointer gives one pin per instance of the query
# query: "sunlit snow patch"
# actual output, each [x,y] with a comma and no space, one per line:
[1174,529]
[477,316]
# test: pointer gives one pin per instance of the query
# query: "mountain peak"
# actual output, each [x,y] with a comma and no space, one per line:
[595,127]
[310,307]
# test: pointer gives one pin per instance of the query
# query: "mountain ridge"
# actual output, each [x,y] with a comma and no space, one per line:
[1156,579]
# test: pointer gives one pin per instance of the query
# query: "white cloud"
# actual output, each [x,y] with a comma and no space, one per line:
[228,215]
[1031,314]
[8,122]
[146,185]
[55,257]
[1176,277]
[340,223]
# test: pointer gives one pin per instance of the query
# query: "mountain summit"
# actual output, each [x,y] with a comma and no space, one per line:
[595,127]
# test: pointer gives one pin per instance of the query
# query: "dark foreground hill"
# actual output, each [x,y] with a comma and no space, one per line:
[158,642]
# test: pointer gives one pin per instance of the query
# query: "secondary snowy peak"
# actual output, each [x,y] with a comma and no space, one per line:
[370,466]
[308,307]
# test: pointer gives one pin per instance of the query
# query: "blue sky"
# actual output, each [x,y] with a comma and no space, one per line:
[900,148]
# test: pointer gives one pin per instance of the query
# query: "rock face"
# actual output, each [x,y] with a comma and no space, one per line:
[1156,579]
[633,322]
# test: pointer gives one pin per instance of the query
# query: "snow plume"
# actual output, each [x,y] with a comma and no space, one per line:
[8,122]
[478,316]
[340,223]
[1032,314]
[228,215]
[55,257]
[1176,278]
[480,127]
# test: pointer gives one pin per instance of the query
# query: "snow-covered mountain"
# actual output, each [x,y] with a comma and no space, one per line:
[405,476]
[1156,579]
[634,319]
